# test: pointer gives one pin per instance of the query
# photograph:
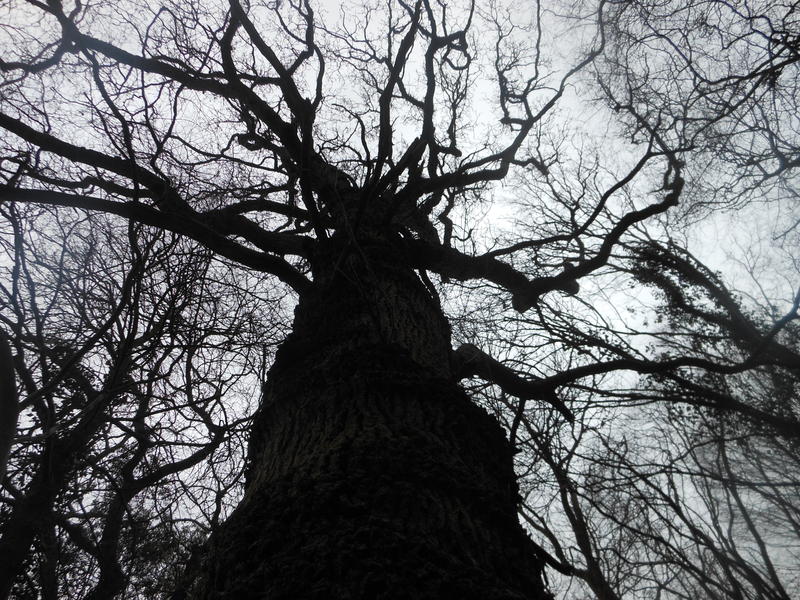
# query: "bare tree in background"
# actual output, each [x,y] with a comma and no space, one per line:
[665,491]
[342,161]
[124,352]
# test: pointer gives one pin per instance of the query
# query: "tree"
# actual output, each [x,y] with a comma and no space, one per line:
[345,157]
[677,496]
[125,354]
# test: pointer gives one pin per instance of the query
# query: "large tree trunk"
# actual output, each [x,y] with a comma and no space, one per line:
[373,475]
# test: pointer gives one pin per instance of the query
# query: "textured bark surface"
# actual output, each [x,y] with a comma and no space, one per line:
[373,475]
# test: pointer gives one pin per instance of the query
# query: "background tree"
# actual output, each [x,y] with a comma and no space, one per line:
[124,353]
[667,491]
[343,161]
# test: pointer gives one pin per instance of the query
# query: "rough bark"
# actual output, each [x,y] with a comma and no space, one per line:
[373,475]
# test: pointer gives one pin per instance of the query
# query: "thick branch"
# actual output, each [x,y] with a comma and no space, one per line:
[184,225]
[86,156]
[471,361]
[455,265]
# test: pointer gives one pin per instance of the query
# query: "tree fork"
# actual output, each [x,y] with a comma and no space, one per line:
[372,473]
